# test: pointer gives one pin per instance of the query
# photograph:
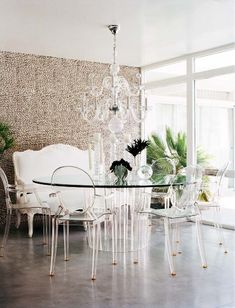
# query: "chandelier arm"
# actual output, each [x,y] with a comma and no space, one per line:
[135,117]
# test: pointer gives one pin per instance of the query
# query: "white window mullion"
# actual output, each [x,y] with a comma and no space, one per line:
[191,135]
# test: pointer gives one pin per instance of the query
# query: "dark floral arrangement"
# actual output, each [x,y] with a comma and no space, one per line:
[137,146]
[119,163]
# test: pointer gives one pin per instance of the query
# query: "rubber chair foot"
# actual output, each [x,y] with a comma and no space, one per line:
[173,274]
[204,266]
[135,262]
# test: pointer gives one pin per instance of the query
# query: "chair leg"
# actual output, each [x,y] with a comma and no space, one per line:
[167,202]
[220,229]
[114,255]
[100,237]
[6,233]
[95,248]
[178,240]
[18,219]
[89,235]
[116,235]
[93,253]
[200,242]
[137,239]
[85,226]
[66,240]
[49,233]
[174,239]
[44,227]
[168,246]
[216,225]
[54,246]
[30,223]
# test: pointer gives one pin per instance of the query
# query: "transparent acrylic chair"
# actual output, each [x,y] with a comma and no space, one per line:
[10,206]
[76,204]
[164,169]
[215,192]
[184,207]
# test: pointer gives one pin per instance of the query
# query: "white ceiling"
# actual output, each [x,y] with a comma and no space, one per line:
[151,30]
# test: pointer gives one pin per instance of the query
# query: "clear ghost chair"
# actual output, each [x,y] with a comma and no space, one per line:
[76,204]
[11,206]
[215,191]
[164,169]
[183,207]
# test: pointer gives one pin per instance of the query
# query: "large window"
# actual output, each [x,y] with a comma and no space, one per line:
[215,102]
[215,60]
[195,94]
[167,105]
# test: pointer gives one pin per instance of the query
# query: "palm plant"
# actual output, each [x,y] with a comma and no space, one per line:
[6,138]
[161,153]
[173,148]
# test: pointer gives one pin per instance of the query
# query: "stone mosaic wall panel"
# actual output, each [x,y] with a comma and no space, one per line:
[39,99]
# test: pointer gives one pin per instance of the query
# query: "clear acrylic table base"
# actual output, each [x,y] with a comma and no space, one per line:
[123,232]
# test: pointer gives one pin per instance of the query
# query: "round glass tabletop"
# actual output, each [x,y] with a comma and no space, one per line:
[71,181]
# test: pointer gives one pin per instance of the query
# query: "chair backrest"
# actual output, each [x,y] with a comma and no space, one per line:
[30,164]
[6,188]
[164,166]
[164,170]
[65,180]
[187,195]
[193,174]
[219,180]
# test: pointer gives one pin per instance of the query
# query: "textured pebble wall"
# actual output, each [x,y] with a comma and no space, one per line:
[39,99]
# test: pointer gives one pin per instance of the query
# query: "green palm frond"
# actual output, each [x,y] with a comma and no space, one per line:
[155,149]
[6,138]
[202,157]
[174,147]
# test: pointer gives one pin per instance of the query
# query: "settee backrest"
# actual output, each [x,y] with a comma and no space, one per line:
[31,164]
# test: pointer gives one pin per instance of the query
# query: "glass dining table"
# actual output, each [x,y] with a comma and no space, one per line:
[69,181]
[128,199]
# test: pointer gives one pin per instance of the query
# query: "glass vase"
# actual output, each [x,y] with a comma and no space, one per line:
[121,173]
[136,165]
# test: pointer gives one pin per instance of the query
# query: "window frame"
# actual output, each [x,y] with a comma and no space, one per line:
[189,79]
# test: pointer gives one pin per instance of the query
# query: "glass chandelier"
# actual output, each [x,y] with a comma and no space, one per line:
[115,102]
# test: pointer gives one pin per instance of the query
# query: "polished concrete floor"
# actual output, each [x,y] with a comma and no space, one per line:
[24,280]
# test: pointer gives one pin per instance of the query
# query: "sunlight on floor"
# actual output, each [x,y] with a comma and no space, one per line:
[227,209]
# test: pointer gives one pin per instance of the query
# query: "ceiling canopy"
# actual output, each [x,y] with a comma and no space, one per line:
[151,30]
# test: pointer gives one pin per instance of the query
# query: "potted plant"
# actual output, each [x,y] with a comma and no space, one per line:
[137,146]
[6,138]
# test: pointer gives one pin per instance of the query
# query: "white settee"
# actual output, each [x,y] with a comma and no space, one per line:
[31,164]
